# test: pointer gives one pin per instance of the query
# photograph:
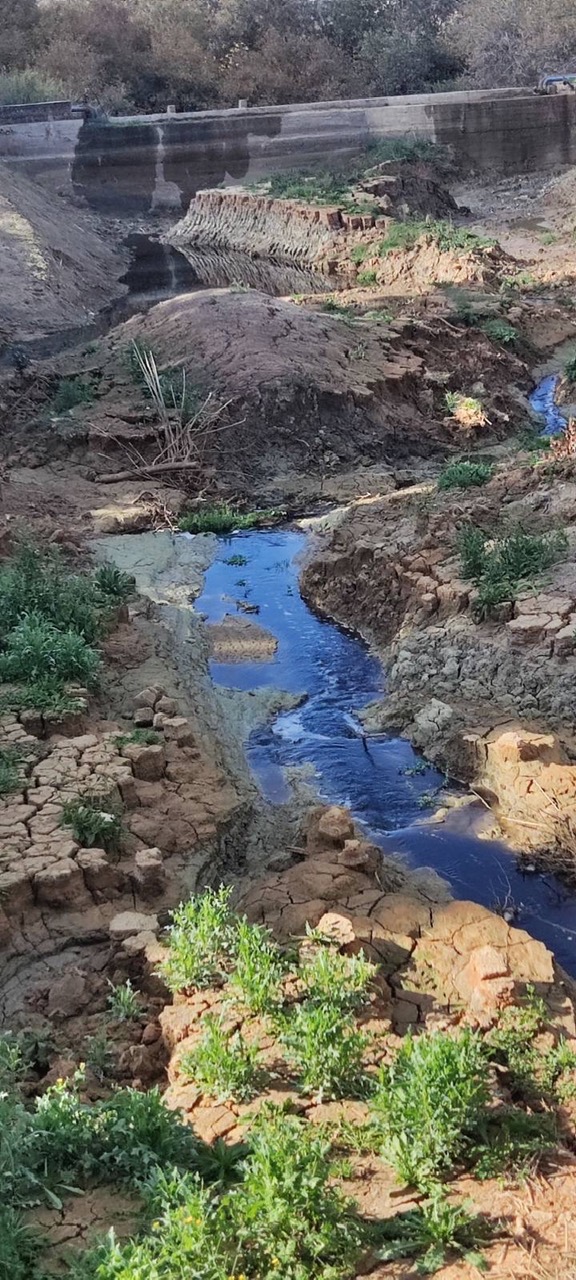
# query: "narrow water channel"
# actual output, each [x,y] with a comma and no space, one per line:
[380,778]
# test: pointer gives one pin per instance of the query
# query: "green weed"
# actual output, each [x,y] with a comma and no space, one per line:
[512,1142]
[326,1048]
[236,561]
[224,519]
[94,822]
[335,308]
[201,941]
[113,583]
[11,771]
[37,649]
[20,1247]
[429,1103]
[72,392]
[570,370]
[13,1064]
[359,253]
[535,1073]
[46,696]
[341,980]
[499,330]
[225,1065]
[123,1004]
[464,475]
[404,235]
[499,565]
[259,967]
[434,1231]
[138,737]
[99,1055]
[367,277]
[530,438]
[549,237]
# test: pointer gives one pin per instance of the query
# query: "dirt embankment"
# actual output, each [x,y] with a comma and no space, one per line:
[307,396]
[57,267]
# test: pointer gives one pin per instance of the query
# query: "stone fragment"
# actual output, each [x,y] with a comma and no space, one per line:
[529,627]
[15,892]
[143,717]
[149,873]
[167,707]
[565,641]
[148,762]
[102,879]
[68,995]
[335,825]
[179,730]
[147,697]
[127,923]
[60,885]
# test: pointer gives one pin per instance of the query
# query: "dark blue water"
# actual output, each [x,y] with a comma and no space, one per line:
[335,674]
[542,402]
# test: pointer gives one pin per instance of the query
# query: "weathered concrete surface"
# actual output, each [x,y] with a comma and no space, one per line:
[150,162]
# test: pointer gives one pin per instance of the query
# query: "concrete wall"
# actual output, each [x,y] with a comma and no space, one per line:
[144,163]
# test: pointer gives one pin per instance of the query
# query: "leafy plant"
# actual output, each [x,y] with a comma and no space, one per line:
[511,1142]
[341,980]
[359,253]
[467,410]
[72,392]
[326,1048]
[434,1231]
[464,475]
[224,519]
[123,1002]
[225,1065]
[530,438]
[99,1055]
[46,695]
[499,330]
[201,941]
[259,967]
[430,1102]
[94,821]
[12,1062]
[288,1218]
[36,649]
[113,582]
[404,235]
[20,1247]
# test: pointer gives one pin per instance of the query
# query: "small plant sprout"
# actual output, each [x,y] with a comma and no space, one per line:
[464,475]
[434,1231]
[225,1065]
[201,941]
[123,1002]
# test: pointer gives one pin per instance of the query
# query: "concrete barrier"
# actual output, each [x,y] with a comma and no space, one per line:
[142,163]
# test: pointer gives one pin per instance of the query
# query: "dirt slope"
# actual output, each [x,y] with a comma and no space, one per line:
[56,267]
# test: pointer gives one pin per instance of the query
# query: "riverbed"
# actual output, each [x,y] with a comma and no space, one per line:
[389,788]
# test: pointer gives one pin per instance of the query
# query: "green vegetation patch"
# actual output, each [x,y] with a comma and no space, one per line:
[434,1232]
[404,235]
[223,1063]
[223,518]
[465,475]
[499,330]
[498,566]
[11,769]
[95,822]
[72,392]
[570,370]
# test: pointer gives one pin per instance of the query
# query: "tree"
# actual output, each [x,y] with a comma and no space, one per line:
[18,33]
[513,42]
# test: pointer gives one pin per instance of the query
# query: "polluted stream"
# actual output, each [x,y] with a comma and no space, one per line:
[387,786]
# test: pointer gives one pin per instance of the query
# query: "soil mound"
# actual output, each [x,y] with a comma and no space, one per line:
[304,389]
[56,267]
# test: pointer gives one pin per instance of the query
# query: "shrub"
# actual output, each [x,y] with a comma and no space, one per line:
[225,1065]
[570,369]
[36,649]
[224,519]
[94,821]
[29,86]
[201,941]
[113,583]
[140,737]
[433,1231]
[258,968]
[430,1102]
[326,1048]
[72,392]
[404,235]
[341,980]
[39,582]
[464,475]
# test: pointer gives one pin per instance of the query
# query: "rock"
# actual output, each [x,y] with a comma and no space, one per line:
[329,828]
[151,1033]
[102,879]
[32,722]
[127,923]
[15,892]
[565,641]
[529,627]
[68,996]
[147,697]
[167,707]
[359,855]
[60,885]
[143,717]
[338,928]
[148,762]
[179,730]
[149,874]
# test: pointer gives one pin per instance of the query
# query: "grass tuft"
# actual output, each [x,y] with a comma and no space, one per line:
[465,475]
[225,519]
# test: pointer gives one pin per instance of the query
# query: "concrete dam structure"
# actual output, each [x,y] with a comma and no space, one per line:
[142,164]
